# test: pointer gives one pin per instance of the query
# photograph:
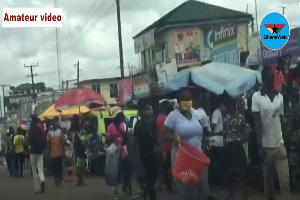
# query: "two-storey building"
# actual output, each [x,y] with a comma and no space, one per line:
[191,34]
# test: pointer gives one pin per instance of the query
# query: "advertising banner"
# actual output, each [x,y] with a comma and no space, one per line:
[292,47]
[220,44]
[125,91]
[187,47]
[141,87]
[226,53]
[16,99]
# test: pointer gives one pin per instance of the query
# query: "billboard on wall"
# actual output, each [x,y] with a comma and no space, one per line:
[144,41]
[220,43]
[187,47]
[15,99]
[141,87]
[125,91]
[292,47]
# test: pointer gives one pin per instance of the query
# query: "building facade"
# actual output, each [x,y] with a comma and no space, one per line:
[21,93]
[193,33]
[107,87]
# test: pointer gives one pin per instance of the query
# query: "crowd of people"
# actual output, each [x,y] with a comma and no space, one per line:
[232,133]
[229,137]
[46,149]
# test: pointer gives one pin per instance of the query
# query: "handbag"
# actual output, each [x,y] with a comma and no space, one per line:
[112,165]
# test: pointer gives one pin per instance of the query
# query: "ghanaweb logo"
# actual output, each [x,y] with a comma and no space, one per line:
[274,31]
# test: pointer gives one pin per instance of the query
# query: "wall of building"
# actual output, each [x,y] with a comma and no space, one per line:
[104,89]
[243,36]
[254,44]
[196,36]
[161,39]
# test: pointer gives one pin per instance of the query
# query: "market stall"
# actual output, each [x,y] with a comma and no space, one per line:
[217,78]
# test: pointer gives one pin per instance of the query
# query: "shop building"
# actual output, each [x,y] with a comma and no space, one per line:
[191,34]
[22,93]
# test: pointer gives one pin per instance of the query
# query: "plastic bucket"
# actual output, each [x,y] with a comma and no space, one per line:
[189,164]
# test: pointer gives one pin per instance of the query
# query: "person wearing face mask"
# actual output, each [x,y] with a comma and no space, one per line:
[182,124]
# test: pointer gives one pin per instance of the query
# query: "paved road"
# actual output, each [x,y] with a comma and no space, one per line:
[22,188]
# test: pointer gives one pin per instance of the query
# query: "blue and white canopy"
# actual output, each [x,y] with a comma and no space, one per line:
[217,78]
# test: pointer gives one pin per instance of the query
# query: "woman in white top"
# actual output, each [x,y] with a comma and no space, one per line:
[183,123]
[217,142]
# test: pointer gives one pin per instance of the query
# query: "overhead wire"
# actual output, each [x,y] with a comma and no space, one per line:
[83,20]
[84,29]
[70,35]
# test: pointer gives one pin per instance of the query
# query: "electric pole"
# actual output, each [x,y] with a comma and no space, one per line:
[3,94]
[58,49]
[256,16]
[78,70]
[67,86]
[67,83]
[32,80]
[63,86]
[78,74]
[283,8]
[130,69]
[120,38]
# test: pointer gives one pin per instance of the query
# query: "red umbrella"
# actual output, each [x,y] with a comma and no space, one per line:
[79,97]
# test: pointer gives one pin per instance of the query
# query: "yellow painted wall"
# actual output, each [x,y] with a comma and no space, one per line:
[104,88]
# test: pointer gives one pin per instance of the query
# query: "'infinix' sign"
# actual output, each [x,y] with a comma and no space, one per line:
[222,33]
[225,32]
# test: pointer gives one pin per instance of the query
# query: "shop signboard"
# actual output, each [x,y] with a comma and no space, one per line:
[187,47]
[292,47]
[141,87]
[15,99]
[220,43]
[226,53]
[125,90]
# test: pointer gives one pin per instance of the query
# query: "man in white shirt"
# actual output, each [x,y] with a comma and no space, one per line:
[267,108]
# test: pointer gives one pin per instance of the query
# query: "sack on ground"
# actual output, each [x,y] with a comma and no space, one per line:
[112,166]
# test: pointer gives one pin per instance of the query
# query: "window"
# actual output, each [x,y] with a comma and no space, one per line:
[113,89]
[96,88]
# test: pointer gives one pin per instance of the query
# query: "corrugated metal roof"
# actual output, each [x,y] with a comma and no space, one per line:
[195,11]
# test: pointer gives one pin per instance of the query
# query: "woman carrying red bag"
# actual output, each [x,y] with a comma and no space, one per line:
[183,123]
